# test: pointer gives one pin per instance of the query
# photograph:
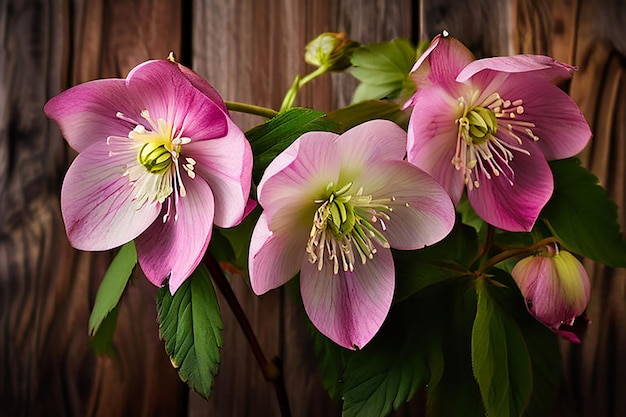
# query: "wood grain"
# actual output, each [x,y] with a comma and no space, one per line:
[46,287]
[250,50]
[586,33]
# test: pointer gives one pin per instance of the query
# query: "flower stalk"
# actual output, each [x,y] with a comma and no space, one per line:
[298,83]
[503,256]
[251,109]
[270,369]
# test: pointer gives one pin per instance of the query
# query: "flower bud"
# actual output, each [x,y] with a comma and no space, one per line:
[555,286]
[330,50]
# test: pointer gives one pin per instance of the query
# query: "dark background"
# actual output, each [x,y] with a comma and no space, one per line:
[250,50]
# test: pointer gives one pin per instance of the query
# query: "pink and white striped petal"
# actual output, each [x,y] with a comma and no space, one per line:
[86,113]
[300,174]
[173,248]
[98,200]
[275,256]
[350,307]
[229,178]
[422,211]
[514,207]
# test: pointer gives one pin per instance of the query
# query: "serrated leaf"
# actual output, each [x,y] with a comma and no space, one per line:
[446,259]
[500,358]
[383,69]
[582,216]
[388,372]
[363,111]
[112,285]
[190,324]
[331,359]
[276,134]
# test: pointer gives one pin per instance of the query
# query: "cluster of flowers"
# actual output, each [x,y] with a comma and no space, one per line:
[160,162]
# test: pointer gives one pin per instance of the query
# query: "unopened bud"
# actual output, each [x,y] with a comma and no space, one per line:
[555,286]
[330,50]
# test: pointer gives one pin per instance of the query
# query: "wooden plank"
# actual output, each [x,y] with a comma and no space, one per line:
[46,287]
[588,34]
[251,51]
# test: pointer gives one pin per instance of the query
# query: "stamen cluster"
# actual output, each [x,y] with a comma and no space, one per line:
[488,132]
[344,227]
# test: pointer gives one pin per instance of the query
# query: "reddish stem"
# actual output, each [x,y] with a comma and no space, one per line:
[271,369]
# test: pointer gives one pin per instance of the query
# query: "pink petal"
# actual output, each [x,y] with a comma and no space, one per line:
[515,207]
[300,174]
[349,308]
[371,142]
[226,164]
[176,247]
[166,93]
[524,66]
[422,211]
[441,63]
[202,85]
[560,126]
[86,113]
[567,335]
[97,200]
[432,136]
[275,257]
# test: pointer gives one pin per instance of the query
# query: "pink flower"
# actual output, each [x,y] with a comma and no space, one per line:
[159,161]
[489,126]
[555,286]
[333,206]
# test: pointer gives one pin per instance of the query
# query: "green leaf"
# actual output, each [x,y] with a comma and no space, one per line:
[332,360]
[468,215]
[582,216]
[446,259]
[383,69]
[112,286]
[500,358]
[101,342]
[394,365]
[360,112]
[190,324]
[452,390]
[276,134]
[542,344]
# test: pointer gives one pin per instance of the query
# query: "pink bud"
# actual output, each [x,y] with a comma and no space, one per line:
[555,286]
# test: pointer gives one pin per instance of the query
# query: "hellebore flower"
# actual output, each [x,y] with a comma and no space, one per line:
[159,161]
[489,126]
[555,286]
[333,206]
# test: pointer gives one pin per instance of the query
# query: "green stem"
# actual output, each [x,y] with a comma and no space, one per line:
[271,370]
[251,109]
[298,82]
[313,74]
[516,252]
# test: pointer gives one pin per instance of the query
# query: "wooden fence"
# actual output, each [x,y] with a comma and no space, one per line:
[250,50]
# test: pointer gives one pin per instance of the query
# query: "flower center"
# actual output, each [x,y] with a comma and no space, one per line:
[488,134]
[157,176]
[479,125]
[344,228]
[155,158]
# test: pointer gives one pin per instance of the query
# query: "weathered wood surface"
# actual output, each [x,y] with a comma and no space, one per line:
[46,287]
[591,34]
[250,50]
